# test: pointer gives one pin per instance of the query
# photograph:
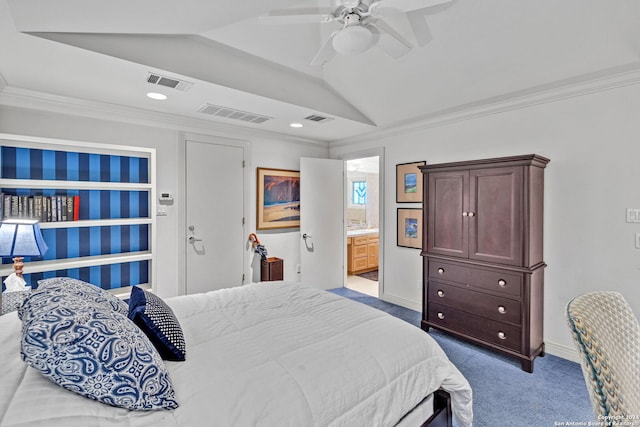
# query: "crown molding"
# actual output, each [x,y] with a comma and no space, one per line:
[586,84]
[29,99]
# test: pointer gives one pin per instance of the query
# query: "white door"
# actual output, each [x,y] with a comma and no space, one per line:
[322,247]
[214,216]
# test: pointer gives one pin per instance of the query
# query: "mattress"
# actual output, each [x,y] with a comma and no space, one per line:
[265,354]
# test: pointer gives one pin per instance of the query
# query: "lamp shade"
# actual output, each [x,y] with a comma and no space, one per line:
[21,237]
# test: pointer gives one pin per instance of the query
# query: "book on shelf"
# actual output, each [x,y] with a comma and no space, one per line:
[76,208]
[61,214]
[6,205]
[42,208]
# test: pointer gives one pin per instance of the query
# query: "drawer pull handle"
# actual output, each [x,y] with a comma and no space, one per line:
[465,213]
[441,270]
[502,335]
[472,214]
[501,309]
[440,293]
[502,283]
[440,315]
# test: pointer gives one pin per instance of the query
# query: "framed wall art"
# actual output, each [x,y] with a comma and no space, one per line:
[410,227]
[278,199]
[409,182]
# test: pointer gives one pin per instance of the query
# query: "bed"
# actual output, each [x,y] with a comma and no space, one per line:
[266,354]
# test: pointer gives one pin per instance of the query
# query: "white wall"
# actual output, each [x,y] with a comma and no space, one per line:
[264,152]
[593,176]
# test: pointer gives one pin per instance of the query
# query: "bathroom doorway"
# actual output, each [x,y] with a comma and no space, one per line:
[362,220]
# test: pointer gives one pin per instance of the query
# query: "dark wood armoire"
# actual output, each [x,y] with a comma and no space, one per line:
[483,253]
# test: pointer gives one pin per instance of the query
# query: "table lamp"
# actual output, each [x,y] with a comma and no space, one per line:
[20,238]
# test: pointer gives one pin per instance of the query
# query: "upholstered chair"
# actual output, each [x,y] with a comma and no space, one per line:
[607,335]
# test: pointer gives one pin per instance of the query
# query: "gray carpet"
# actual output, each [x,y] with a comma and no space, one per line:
[504,395]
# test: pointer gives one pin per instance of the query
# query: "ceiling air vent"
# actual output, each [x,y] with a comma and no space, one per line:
[318,119]
[230,113]
[157,79]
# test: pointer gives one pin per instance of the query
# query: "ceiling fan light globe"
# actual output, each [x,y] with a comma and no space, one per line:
[353,40]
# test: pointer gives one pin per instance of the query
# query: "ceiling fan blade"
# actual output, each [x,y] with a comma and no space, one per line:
[390,41]
[420,28]
[325,53]
[406,5]
[297,16]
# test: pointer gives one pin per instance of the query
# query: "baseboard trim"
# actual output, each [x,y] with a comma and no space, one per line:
[401,302]
[559,350]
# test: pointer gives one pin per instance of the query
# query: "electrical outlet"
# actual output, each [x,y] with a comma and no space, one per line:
[419,284]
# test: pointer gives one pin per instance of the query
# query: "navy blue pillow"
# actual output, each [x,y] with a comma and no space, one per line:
[157,321]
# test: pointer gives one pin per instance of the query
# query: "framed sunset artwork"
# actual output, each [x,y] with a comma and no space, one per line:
[278,199]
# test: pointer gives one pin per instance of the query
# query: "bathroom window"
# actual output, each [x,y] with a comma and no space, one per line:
[359,193]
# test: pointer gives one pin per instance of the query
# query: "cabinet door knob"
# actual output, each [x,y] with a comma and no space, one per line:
[472,214]
[440,293]
[501,309]
[502,335]
[465,213]
[441,270]
[502,283]
[440,315]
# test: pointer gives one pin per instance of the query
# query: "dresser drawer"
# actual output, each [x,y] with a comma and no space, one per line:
[491,306]
[360,263]
[487,330]
[361,240]
[360,251]
[495,280]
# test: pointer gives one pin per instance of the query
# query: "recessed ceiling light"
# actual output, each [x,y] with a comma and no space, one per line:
[158,96]
[296,125]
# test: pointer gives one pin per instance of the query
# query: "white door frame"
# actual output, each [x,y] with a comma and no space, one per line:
[370,152]
[181,199]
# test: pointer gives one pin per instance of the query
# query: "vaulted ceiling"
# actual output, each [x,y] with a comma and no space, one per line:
[94,53]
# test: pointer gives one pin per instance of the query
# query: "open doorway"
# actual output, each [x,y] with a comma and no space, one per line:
[362,219]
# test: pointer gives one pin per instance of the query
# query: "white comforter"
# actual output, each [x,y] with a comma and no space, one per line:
[271,354]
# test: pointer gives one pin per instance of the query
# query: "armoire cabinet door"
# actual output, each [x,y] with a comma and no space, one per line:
[448,198]
[495,215]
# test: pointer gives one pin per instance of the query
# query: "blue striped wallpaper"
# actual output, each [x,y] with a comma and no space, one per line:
[31,163]
[106,276]
[76,242]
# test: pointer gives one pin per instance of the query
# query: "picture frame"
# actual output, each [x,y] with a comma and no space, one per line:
[409,182]
[409,228]
[278,199]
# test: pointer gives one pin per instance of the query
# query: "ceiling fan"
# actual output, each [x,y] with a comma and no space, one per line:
[362,25]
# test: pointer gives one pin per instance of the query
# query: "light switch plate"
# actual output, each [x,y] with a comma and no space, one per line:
[633,215]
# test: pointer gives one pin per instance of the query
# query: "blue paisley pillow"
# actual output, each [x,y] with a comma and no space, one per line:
[67,288]
[83,290]
[97,353]
[156,319]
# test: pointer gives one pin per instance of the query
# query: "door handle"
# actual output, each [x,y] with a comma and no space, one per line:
[193,239]
[306,236]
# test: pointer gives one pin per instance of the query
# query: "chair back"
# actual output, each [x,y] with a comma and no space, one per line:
[607,335]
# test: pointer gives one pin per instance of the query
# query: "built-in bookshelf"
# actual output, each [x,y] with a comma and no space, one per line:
[109,239]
